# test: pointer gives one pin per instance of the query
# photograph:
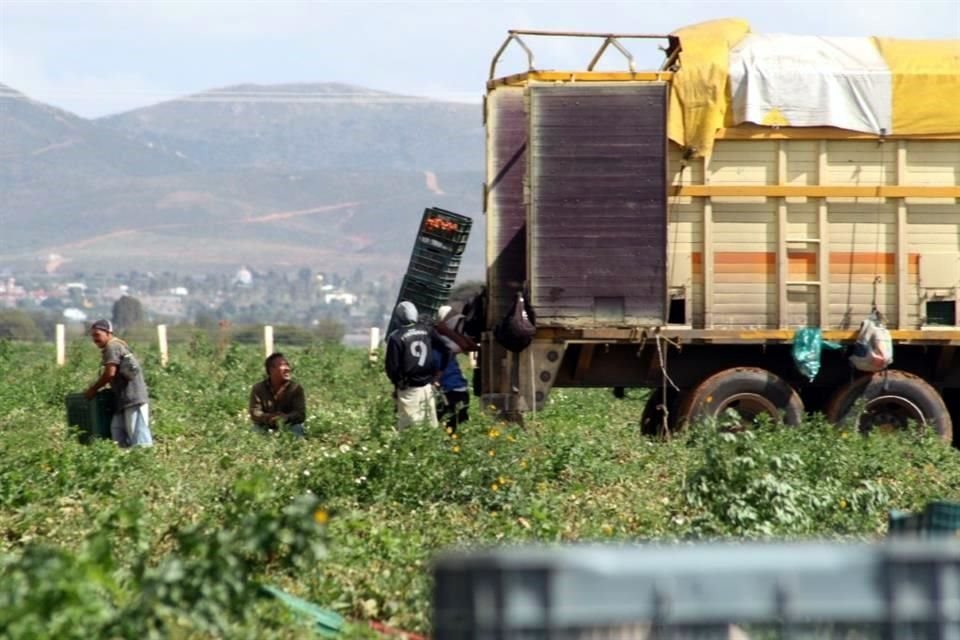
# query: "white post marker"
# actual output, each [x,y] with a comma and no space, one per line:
[61,345]
[162,339]
[374,343]
[268,339]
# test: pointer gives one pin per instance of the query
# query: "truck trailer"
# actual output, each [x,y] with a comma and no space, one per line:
[673,229]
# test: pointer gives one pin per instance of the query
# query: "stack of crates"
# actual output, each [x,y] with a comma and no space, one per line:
[91,417]
[435,261]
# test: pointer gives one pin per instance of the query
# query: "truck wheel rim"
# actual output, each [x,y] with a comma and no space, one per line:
[890,413]
[748,406]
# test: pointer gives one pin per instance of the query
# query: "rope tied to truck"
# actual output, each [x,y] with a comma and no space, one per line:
[665,379]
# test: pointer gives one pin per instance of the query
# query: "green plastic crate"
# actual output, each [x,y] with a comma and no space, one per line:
[942,518]
[91,417]
[430,264]
[444,230]
[904,523]
[434,262]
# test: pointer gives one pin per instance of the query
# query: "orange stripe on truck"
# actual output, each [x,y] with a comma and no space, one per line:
[764,263]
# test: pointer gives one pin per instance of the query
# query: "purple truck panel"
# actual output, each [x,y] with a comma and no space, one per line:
[507,228]
[598,218]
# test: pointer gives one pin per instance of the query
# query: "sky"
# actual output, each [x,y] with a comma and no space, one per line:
[98,58]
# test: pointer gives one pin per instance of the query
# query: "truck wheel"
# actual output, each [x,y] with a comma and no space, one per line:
[651,420]
[890,400]
[749,391]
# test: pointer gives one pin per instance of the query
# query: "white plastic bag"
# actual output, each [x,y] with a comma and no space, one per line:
[873,350]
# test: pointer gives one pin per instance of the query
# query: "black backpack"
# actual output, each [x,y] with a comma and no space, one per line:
[515,332]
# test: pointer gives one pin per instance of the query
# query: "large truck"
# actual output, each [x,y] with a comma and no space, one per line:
[672,229]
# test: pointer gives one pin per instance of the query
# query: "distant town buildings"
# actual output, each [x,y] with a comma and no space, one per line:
[299,297]
[11,292]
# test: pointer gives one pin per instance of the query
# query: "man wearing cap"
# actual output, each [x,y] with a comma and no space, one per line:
[411,367]
[130,426]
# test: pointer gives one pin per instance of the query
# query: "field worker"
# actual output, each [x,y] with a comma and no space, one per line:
[411,367]
[453,384]
[130,426]
[277,401]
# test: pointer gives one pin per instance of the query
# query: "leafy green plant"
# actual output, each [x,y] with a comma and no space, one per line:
[173,540]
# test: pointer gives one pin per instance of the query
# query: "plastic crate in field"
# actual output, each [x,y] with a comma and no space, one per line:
[429,263]
[427,296]
[444,230]
[939,518]
[91,417]
[942,518]
[908,588]
[904,523]
[434,261]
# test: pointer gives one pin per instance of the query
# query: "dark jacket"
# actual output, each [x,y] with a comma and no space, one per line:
[410,360]
[289,401]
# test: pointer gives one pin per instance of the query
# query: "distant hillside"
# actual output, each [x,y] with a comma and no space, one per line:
[312,126]
[38,141]
[326,176]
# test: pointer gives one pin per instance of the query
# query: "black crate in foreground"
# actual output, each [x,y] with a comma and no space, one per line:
[92,417]
[898,589]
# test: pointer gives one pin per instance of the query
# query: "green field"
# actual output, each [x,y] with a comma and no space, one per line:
[174,541]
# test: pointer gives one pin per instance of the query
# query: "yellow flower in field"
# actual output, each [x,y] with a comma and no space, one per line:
[320,516]
[501,480]
[493,433]
[606,529]
[491,453]
[454,436]
[511,439]
[523,464]
[456,448]
[843,503]
[449,431]
[494,487]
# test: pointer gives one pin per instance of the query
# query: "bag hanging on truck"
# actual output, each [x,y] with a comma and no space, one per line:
[808,342]
[873,350]
[515,332]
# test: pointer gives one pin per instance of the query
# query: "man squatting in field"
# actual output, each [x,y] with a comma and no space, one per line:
[411,367]
[130,425]
[277,400]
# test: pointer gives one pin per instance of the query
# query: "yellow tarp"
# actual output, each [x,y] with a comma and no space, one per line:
[926,84]
[925,79]
[699,98]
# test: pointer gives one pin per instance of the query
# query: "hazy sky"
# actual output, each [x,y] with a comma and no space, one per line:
[95,58]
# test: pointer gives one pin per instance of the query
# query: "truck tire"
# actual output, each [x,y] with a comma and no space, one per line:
[750,391]
[891,400]
[651,420]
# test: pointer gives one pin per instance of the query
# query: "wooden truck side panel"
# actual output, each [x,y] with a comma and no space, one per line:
[758,262]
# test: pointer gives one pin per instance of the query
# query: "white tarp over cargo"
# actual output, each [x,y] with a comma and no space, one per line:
[806,81]
[729,76]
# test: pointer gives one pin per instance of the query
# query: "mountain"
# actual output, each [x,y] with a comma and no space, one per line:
[40,141]
[311,126]
[327,176]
